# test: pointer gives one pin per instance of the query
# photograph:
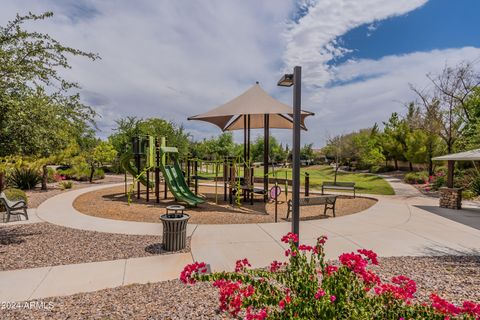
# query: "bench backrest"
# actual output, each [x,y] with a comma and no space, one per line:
[6,201]
[338,184]
[311,201]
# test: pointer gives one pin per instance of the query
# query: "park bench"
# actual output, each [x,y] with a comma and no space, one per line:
[330,185]
[13,207]
[327,200]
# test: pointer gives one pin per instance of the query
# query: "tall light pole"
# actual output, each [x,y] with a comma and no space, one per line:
[295,80]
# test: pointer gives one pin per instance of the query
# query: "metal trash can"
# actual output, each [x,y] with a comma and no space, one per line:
[174,229]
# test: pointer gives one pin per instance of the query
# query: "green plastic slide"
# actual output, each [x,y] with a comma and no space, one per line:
[175,180]
[126,163]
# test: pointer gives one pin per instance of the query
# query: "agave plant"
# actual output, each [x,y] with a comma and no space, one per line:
[24,178]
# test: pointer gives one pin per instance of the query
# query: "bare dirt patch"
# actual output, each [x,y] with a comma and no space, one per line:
[112,203]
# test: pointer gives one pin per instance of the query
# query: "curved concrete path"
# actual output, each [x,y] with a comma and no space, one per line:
[398,225]
[59,210]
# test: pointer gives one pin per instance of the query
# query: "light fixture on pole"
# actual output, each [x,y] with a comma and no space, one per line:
[286,80]
[295,80]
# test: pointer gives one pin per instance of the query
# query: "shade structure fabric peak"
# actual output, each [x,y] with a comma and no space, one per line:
[471,155]
[256,103]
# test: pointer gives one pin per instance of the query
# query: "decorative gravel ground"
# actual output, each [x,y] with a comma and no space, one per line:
[112,203]
[45,244]
[456,278]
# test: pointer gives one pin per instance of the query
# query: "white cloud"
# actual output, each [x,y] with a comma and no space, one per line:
[374,89]
[173,59]
[312,41]
[168,59]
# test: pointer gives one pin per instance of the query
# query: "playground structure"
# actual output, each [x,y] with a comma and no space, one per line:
[236,179]
[152,154]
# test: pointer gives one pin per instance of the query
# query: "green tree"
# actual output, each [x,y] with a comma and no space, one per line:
[368,147]
[215,147]
[101,154]
[306,152]
[129,127]
[449,101]
[276,151]
[471,133]
[395,138]
[40,111]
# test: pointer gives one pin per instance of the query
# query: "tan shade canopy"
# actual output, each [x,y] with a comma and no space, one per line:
[256,103]
[472,155]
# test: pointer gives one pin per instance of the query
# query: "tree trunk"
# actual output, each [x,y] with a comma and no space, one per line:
[335,176]
[92,172]
[2,179]
[44,177]
[396,164]
[430,167]
[410,165]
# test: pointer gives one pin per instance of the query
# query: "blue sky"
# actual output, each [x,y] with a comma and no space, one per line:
[439,24]
[174,59]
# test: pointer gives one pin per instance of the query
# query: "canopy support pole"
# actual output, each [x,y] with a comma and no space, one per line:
[245,171]
[248,138]
[245,147]
[450,171]
[266,148]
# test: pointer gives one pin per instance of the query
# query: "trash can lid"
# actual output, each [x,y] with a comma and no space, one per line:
[175,207]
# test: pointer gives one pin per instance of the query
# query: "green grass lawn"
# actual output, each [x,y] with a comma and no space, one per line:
[365,183]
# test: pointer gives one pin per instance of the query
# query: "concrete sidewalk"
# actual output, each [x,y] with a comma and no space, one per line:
[394,226]
[38,283]
[59,210]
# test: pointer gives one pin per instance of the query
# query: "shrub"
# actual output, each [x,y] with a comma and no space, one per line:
[99,174]
[467,194]
[66,185]
[24,178]
[307,287]
[15,195]
[416,177]
[438,180]
[81,173]
[381,169]
[475,185]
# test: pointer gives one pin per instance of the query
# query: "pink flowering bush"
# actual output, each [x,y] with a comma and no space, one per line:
[307,287]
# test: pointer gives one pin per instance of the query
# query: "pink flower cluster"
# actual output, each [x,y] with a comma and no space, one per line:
[187,275]
[471,308]
[322,240]
[290,237]
[306,248]
[59,177]
[402,288]
[275,266]
[232,295]
[358,263]
[330,269]
[443,306]
[448,308]
[370,255]
[242,264]
[320,293]
[260,315]
[284,301]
